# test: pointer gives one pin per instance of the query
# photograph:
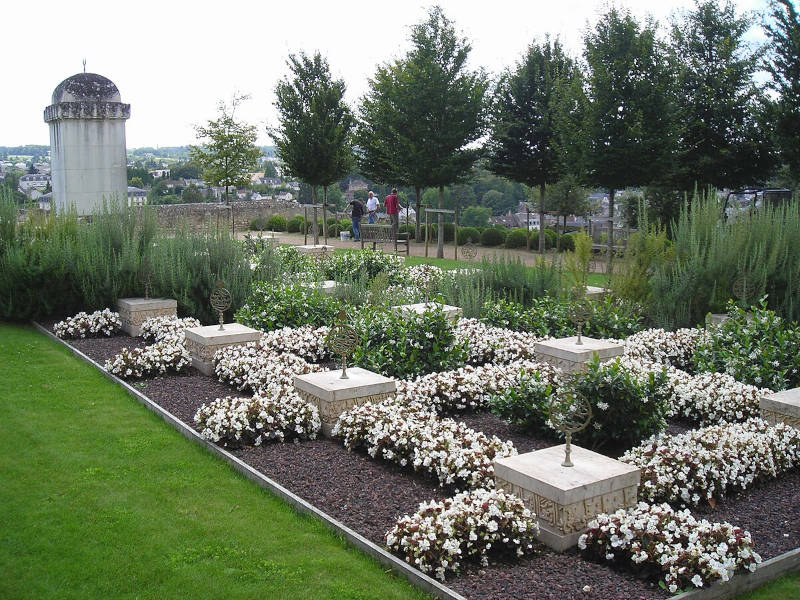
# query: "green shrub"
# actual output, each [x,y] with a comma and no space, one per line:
[709,253]
[365,263]
[404,346]
[468,290]
[626,408]
[411,229]
[468,234]
[272,306]
[512,279]
[516,238]
[259,224]
[295,224]
[346,225]
[566,242]
[492,237]
[548,316]
[550,238]
[759,348]
[277,223]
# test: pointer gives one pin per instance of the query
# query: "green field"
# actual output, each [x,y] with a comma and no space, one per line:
[102,499]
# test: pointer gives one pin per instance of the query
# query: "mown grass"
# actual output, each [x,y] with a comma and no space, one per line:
[102,499]
[785,588]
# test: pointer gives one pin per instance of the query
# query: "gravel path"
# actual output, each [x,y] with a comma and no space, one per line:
[367,495]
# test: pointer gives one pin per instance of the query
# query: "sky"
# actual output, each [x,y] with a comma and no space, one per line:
[173,62]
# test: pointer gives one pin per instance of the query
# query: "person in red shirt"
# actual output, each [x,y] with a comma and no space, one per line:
[392,205]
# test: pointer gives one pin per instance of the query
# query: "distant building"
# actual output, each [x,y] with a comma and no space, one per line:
[33,182]
[159,173]
[136,196]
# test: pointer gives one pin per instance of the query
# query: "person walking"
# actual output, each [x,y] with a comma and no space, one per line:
[372,208]
[356,214]
[392,205]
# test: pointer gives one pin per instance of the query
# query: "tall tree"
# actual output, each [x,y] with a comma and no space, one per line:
[627,126]
[523,143]
[228,152]
[313,137]
[784,66]
[720,142]
[446,103]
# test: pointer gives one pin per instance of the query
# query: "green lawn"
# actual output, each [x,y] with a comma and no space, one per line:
[785,588]
[102,499]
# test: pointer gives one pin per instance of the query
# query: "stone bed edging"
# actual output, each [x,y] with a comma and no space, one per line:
[414,576]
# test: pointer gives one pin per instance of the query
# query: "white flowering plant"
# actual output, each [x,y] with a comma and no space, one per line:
[251,366]
[276,414]
[467,388]
[367,263]
[758,348]
[169,354]
[706,464]
[100,322]
[669,546]
[675,348]
[478,525]
[159,328]
[496,345]
[306,341]
[415,437]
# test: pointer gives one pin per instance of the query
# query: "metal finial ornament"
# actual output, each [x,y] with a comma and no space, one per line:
[579,314]
[743,288]
[145,272]
[468,251]
[342,339]
[570,412]
[221,301]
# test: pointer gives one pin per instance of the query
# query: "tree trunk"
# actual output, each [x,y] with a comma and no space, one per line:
[314,225]
[541,219]
[440,237]
[610,248]
[325,213]
[419,214]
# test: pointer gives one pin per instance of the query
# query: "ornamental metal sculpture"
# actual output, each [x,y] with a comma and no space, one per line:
[570,412]
[221,301]
[146,274]
[342,339]
[579,314]
[743,288]
[468,251]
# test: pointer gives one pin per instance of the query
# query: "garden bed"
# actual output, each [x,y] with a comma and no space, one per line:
[367,495]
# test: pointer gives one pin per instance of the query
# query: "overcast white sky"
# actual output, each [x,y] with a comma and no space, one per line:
[174,60]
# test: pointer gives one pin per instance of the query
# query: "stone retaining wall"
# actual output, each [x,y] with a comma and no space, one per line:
[208,214]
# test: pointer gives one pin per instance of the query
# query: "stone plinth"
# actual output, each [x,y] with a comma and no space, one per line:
[315,250]
[570,357]
[451,312]
[595,293]
[565,499]
[782,407]
[326,287]
[135,311]
[203,342]
[333,395]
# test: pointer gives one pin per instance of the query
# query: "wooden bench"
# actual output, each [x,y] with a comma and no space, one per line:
[383,234]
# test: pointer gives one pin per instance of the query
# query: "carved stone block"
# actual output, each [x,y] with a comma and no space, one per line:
[570,357]
[135,311]
[203,342]
[316,251]
[333,395]
[452,313]
[565,499]
[782,407]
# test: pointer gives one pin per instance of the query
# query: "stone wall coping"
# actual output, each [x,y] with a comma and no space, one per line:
[786,402]
[593,474]
[210,335]
[328,386]
[138,304]
[567,349]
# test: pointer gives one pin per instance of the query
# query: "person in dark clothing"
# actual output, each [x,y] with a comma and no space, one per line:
[358,212]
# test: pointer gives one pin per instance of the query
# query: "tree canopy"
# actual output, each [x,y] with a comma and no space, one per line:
[228,152]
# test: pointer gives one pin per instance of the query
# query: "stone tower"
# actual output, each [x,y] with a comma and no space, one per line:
[87,143]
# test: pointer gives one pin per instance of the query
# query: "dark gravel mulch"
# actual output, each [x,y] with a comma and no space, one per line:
[367,495]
